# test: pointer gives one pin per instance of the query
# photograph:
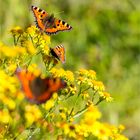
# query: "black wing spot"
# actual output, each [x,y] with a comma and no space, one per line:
[57,24]
[39,10]
[43,12]
[67,25]
[59,21]
[54,54]
[63,22]
[35,8]
[58,47]
[54,26]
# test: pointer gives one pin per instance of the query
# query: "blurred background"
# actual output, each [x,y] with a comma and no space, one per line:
[105,38]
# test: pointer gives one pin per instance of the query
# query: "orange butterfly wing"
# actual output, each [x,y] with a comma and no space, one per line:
[59,26]
[39,16]
[59,53]
[36,89]
[25,79]
[55,84]
[48,23]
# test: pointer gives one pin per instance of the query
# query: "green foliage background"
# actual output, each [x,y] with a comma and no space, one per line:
[105,38]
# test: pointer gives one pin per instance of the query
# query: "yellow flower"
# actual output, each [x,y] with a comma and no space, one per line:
[102,131]
[72,89]
[2,95]
[5,116]
[16,31]
[29,118]
[49,104]
[30,47]
[47,38]
[82,129]
[98,85]
[85,95]
[55,96]
[13,51]
[82,72]
[12,67]
[85,81]
[32,30]
[119,137]
[32,114]
[69,76]
[87,73]
[63,115]
[45,50]
[20,96]
[106,96]
[92,74]
[69,130]
[91,115]
[7,84]
[121,127]
[80,80]
[10,103]
[89,83]
[34,69]
[58,72]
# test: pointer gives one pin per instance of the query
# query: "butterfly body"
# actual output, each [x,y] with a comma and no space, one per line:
[59,53]
[36,89]
[48,23]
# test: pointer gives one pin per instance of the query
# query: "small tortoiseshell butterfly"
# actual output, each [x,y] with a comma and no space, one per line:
[48,23]
[58,52]
[37,89]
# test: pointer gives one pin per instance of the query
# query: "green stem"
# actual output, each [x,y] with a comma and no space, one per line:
[100,100]
[18,39]
[85,89]
[93,95]
[31,39]
[74,103]
[85,109]
[14,40]
[80,112]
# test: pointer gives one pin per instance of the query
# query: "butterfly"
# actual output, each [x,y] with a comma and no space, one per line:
[36,89]
[48,23]
[58,52]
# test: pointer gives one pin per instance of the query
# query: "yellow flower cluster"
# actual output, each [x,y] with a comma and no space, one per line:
[7,83]
[11,52]
[32,41]
[72,114]
[98,85]
[5,117]
[16,30]
[33,68]
[88,79]
[88,73]
[38,39]
[67,75]
[51,102]
[106,96]
[90,125]
[32,114]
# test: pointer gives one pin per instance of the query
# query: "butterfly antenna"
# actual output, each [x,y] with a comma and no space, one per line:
[58,12]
